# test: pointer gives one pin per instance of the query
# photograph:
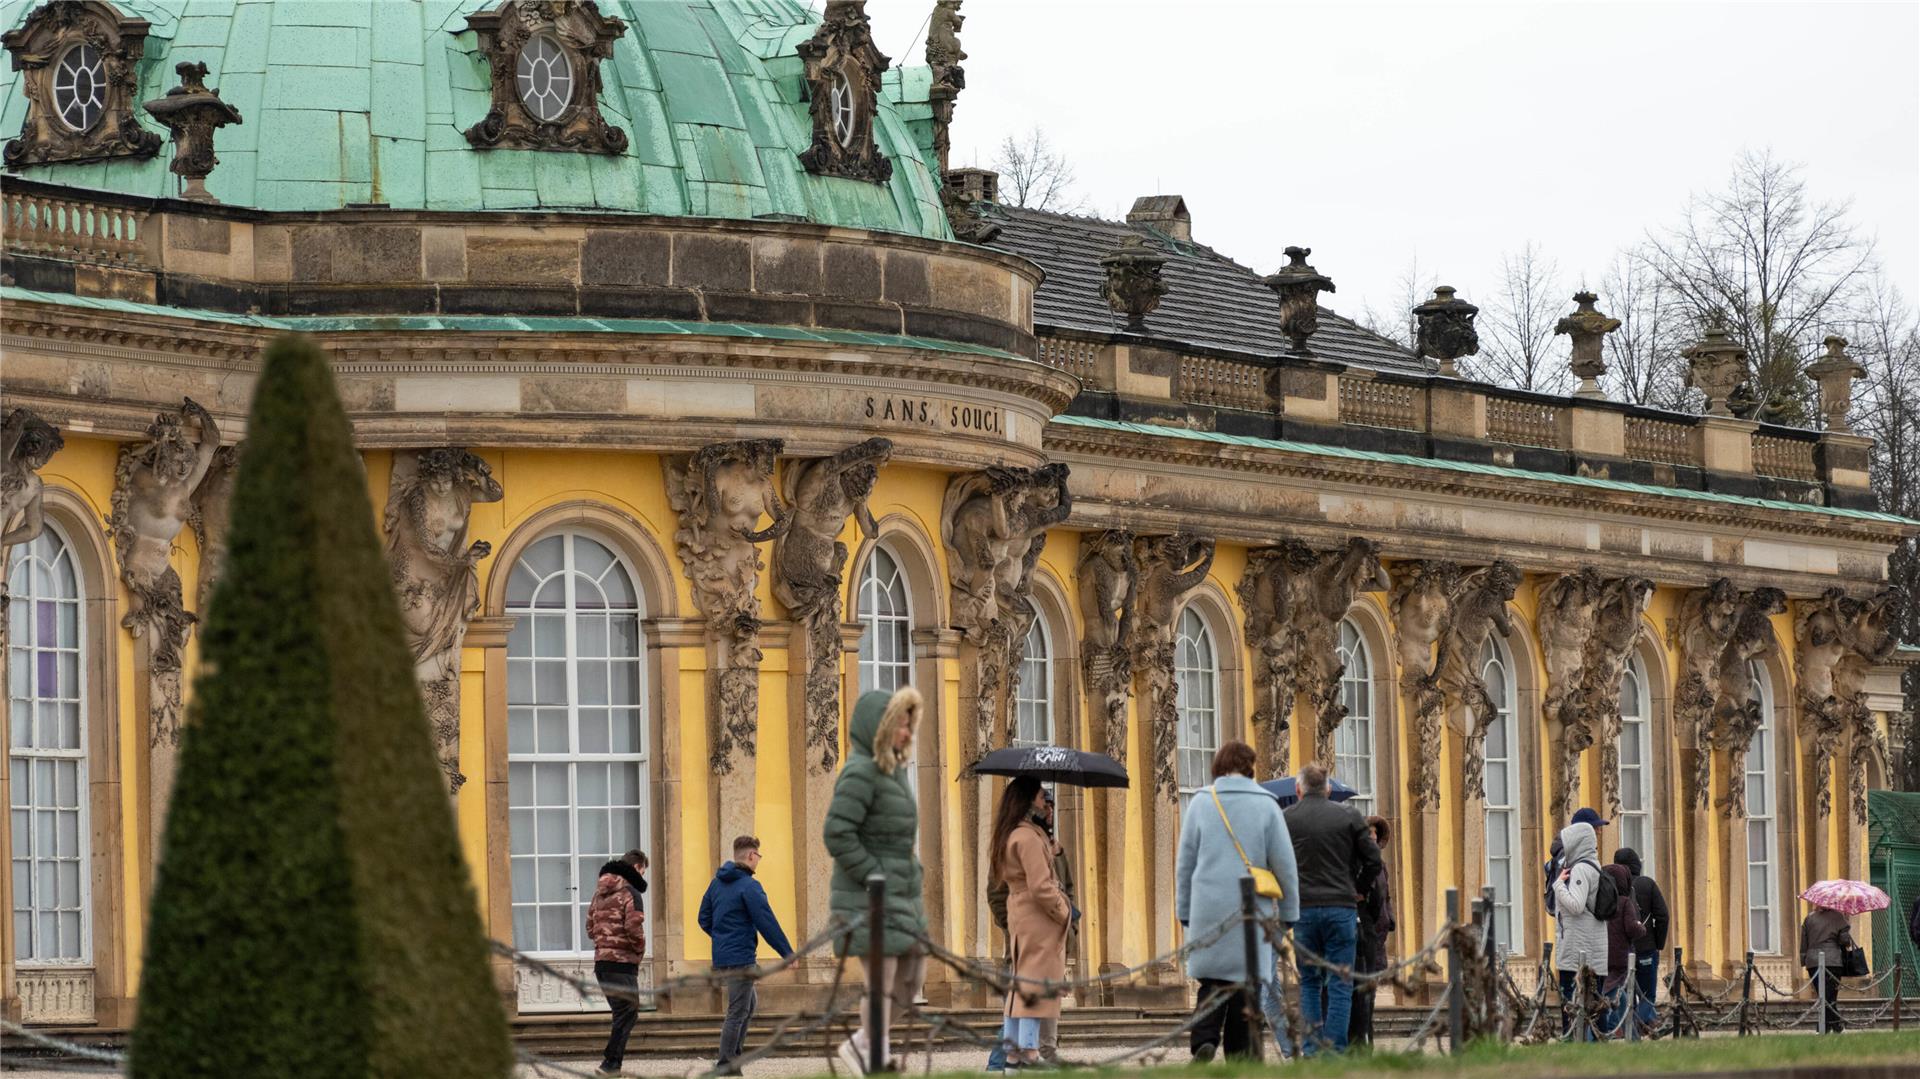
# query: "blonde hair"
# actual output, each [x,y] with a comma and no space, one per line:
[902,708]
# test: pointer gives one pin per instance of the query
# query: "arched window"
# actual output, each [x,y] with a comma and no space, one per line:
[47,756]
[1502,800]
[576,733]
[886,625]
[1196,674]
[1033,713]
[1636,763]
[1763,826]
[1353,742]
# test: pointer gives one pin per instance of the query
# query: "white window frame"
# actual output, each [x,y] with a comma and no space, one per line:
[1636,732]
[30,872]
[1765,825]
[1356,758]
[896,617]
[560,59]
[1036,720]
[1196,659]
[572,758]
[1504,815]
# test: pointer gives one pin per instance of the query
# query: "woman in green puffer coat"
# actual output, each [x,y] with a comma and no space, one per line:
[872,824]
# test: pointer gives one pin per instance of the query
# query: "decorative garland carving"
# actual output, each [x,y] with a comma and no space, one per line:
[1422,608]
[1838,640]
[1478,609]
[720,492]
[1169,568]
[1566,613]
[27,443]
[429,505]
[843,68]
[1736,707]
[39,45]
[1266,594]
[809,560]
[1717,632]
[1616,629]
[1108,577]
[154,484]
[585,38]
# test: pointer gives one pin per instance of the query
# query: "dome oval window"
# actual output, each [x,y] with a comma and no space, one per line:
[80,87]
[544,76]
[841,98]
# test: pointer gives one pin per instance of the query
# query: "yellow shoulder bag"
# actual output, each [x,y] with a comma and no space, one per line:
[1265,884]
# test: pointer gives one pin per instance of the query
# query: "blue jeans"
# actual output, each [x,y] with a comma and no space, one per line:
[1329,933]
[1646,971]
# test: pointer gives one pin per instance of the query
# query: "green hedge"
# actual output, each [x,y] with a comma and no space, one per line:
[313,915]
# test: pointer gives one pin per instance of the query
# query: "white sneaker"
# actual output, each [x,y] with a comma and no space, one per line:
[851,1056]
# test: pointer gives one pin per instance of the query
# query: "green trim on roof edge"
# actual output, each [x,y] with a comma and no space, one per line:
[1252,442]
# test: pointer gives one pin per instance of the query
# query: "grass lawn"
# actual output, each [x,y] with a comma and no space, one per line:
[1487,1061]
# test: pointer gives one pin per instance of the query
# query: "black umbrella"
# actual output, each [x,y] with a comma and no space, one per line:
[1054,764]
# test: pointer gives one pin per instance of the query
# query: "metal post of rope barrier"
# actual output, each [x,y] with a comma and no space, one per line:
[1632,1019]
[1746,996]
[876,966]
[1820,991]
[1250,943]
[1899,986]
[1674,999]
[1585,987]
[1456,1017]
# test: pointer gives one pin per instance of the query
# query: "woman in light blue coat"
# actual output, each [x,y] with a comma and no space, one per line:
[1207,891]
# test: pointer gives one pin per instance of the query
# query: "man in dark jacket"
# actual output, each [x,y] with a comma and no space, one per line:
[1652,905]
[1337,860]
[1376,922]
[736,915]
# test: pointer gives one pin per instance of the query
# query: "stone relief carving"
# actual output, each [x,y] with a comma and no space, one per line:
[153,488]
[1698,633]
[1566,615]
[1108,576]
[27,443]
[57,33]
[1588,326]
[212,501]
[581,36]
[1736,706]
[1479,609]
[1324,592]
[1838,640]
[720,492]
[1717,367]
[809,562]
[1133,285]
[1422,608]
[1446,330]
[843,69]
[1616,629]
[1266,594]
[1834,372]
[1299,286]
[429,505]
[1169,568]
[192,112]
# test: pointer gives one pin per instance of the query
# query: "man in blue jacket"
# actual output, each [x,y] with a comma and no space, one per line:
[736,915]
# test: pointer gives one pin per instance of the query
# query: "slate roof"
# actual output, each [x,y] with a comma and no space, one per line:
[1212,301]
[357,101]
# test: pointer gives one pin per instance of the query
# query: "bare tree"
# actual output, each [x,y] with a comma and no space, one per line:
[1643,355]
[1034,174]
[1516,329]
[1413,286]
[1781,268]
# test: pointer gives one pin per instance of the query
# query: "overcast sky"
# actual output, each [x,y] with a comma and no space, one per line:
[1456,131]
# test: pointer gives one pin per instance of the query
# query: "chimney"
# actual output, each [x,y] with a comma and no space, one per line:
[975,185]
[1167,213]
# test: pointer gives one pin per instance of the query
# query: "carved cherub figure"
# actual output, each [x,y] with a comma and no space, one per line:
[154,485]
[1421,601]
[1107,573]
[429,507]
[720,493]
[1170,567]
[1566,618]
[27,443]
[989,521]
[821,494]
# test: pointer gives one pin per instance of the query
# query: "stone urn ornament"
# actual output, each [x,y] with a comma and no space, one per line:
[193,113]
[1446,330]
[1834,374]
[1717,366]
[1298,286]
[1133,286]
[1589,328]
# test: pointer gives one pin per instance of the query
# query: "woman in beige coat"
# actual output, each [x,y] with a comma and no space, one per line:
[1038,916]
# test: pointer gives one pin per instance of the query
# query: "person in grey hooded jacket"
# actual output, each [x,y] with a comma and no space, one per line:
[1580,944]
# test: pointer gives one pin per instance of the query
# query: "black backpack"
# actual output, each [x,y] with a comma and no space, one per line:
[1913,923]
[1604,901]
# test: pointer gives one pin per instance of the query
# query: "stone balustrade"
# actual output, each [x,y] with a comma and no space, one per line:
[1075,357]
[1784,458]
[73,229]
[1661,440]
[1521,422]
[1208,380]
[1371,402]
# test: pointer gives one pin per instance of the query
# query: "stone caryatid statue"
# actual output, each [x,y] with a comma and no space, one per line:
[1446,330]
[944,55]
[1421,605]
[720,492]
[429,506]
[1298,287]
[1324,591]
[808,566]
[211,503]
[1588,327]
[1698,633]
[1133,286]
[1479,610]
[153,490]
[1616,629]
[1170,567]
[1566,613]
[1736,706]
[1266,590]
[1838,639]
[1834,372]
[1108,576]
[1717,367]
[27,443]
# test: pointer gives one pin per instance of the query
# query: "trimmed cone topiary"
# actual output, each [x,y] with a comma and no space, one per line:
[313,916]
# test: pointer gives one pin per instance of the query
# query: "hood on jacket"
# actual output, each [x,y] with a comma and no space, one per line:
[877,717]
[1630,858]
[867,712]
[1579,844]
[618,871]
[731,871]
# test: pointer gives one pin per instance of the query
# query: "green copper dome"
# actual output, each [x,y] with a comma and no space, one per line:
[366,101]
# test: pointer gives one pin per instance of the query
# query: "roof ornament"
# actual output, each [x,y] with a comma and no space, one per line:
[958,192]
[193,112]
[1133,286]
[1717,367]
[1588,327]
[79,72]
[1834,374]
[1299,286]
[544,57]
[1446,330]
[843,69]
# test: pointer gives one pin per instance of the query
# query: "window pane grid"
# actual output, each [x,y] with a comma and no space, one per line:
[1503,818]
[1196,678]
[886,642]
[1636,764]
[1033,695]
[1353,741]
[1763,839]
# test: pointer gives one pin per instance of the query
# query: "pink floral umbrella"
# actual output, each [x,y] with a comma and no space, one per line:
[1849,897]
